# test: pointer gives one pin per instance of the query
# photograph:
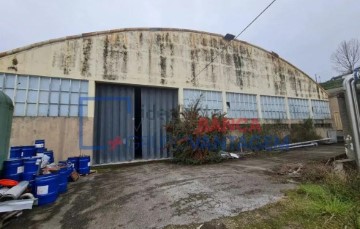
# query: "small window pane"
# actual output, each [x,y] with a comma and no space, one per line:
[65,85]
[54,97]
[84,86]
[64,98]
[45,83]
[55,84]
[31,109]
[10,81]
[74,110]
[20,96]
[74,99]
[22,82]
[19,109]
[43,109]
[54,110]
[2,80]
[44,97]
[75,85]
[34,83]
[84,97]
[64,110]
[10,93]
[83,111]
[32,96]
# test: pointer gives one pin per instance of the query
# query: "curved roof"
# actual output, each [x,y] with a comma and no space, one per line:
[38,44]
[155,29]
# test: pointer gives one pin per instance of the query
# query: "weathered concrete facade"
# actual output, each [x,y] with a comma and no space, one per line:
[152,57]
[164,57]
[61,134]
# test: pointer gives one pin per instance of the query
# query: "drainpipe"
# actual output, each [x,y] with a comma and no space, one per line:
[352,106]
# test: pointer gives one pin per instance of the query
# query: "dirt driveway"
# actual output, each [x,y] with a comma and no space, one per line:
[155,195]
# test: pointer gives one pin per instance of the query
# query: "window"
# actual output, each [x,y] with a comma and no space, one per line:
[210,101]
[299,108]
[320,109]
[241,105]
[273,107]
[44,96]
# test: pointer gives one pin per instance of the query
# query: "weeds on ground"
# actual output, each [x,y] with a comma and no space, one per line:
[326,201]
[304,131]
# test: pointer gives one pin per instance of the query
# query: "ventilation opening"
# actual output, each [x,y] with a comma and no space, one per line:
[228,105]
[137,127]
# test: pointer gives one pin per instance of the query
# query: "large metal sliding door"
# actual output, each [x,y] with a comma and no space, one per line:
[156,107]
[113,124]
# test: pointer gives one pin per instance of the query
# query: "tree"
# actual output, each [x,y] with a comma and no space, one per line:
[346,56]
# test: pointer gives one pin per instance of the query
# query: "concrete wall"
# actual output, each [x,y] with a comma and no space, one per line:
[61,134]
[335,113]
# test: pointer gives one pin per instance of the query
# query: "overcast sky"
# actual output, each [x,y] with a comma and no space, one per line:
[304,32]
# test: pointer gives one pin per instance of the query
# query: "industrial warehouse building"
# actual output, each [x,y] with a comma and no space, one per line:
[99,93]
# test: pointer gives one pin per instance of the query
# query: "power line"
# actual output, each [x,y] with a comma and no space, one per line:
[255,19]
[214,58]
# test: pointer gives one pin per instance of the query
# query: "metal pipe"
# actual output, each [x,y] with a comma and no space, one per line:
[15,192]
[305,145]
[353,113]
[355,101]
[287,147]
[297,143]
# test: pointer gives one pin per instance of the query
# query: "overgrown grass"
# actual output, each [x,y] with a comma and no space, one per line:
[332,202]
[329,201]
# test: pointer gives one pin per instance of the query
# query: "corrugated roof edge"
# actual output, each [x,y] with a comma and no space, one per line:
[153,29]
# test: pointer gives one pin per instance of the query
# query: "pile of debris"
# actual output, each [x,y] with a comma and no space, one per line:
[14,199]
[31,177]
[291,169]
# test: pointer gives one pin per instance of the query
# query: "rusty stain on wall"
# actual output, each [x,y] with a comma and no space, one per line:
[68,56]
[87,45]
[163,69]
[115,57]
[238,64]
[13,65]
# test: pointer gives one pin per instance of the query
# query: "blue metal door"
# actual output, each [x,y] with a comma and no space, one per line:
[113,124]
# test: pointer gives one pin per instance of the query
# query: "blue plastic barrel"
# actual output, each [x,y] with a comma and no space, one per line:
[15,152]
[46,188]
[84,165]
[28,151]
[40,145]
[50,154]
[63,179]
[31,166]
[62,163]
[75,162]
[69,168]
[13,169]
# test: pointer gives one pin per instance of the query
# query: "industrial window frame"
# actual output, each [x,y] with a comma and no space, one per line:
[41,96]
[298,108]
[210,101]
[320,109]
[273,107]
[241,105]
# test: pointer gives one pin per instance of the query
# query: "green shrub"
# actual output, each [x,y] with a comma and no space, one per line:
[195,138]
[303,132]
